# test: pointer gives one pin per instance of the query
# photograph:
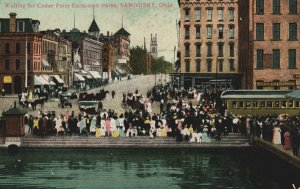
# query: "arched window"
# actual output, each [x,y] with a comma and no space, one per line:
[17,64]
[7,48]
[17,48]
[153,49]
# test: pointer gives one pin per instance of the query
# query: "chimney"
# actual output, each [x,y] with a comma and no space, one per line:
[107,33]
[12,22]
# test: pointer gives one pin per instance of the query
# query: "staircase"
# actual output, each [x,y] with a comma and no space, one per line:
[234,140]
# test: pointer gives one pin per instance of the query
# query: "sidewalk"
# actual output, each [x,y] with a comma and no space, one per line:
[286,155]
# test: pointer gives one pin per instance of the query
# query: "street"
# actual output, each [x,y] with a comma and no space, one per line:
[142,83]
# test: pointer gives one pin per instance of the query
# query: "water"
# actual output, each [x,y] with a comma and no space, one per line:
[140,168]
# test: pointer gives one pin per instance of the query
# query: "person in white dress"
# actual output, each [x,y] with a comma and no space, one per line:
[276,135]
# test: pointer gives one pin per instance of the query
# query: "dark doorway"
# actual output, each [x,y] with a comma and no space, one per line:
[7,87]
[187,82]
[17,84]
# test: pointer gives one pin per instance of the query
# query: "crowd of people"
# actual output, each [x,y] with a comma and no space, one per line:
[185,115]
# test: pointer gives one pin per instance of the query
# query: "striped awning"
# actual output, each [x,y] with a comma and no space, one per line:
[58,79]
[39,80]
[78,77]
[95,74]
[45,63]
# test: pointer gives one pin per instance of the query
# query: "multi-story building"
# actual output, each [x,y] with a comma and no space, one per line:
[56,56]
[17,35]
[89,51]
[209,44]
[108,55]
[274,28]
[122,45]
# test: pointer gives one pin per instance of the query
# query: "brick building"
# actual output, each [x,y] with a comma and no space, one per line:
[275,44]
[209,44]
[14,32]
[108,54]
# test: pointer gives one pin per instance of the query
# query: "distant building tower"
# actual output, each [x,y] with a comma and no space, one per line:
[94,30]
[153,46]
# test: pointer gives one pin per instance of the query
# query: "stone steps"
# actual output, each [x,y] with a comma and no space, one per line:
[233,140]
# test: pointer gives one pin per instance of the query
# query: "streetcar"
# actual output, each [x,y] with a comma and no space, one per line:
[261,102]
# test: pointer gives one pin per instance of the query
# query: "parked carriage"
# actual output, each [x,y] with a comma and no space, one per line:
[64,100]
[262,102]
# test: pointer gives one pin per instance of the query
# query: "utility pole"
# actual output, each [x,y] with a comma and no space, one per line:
[26,62]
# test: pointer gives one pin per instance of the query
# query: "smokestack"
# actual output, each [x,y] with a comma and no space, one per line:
[12,22]
[107,33]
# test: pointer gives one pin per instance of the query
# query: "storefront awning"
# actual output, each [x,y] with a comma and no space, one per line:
[95,74]
[39,80]
[58,79]
[45,63]
[78,77]
[84,72]
[88,76]
[115,73]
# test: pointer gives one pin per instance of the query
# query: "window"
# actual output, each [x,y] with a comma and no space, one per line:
[283,104]
[209,32]
[220,14]
[6,65]
[20,26]
[198,65]
[291,104]
[28,65]
[28,47]
[187,15]
[269,104]
[259,6]
[220,28]
[197,14]
[292,31]
[7,48]
[198,50]
[276,31]
[17,48]
[255,104]
[231,31]
[220,65]
[187,50]
[220,48]
[248,104]
[209,14]
[292,58]
[276,104]
[231,14]
[187,65]
[297,104]
[262,104]
[276,84]
[231,65]
[197,31]
[241,104]
[208,62]
[231,49]
[17,64]
[233,104]
[259,59]
[259,31]
[209,49]
[276,6]
[187,32]
[276,59]
[293,6]
[0,26]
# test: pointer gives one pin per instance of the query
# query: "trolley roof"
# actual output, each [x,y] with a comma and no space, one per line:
[256,94]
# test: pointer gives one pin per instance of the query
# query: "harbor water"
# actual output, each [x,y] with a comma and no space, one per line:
[145,168]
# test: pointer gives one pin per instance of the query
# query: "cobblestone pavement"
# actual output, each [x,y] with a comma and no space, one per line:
[140,82]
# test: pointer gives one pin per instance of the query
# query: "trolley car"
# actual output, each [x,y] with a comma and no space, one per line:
[262,102]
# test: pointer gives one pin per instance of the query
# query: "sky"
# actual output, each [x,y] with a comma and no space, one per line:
[140,18]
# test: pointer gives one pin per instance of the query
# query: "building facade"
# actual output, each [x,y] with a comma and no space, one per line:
[17,35]
[209,44]
[274,28]
[108,55]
